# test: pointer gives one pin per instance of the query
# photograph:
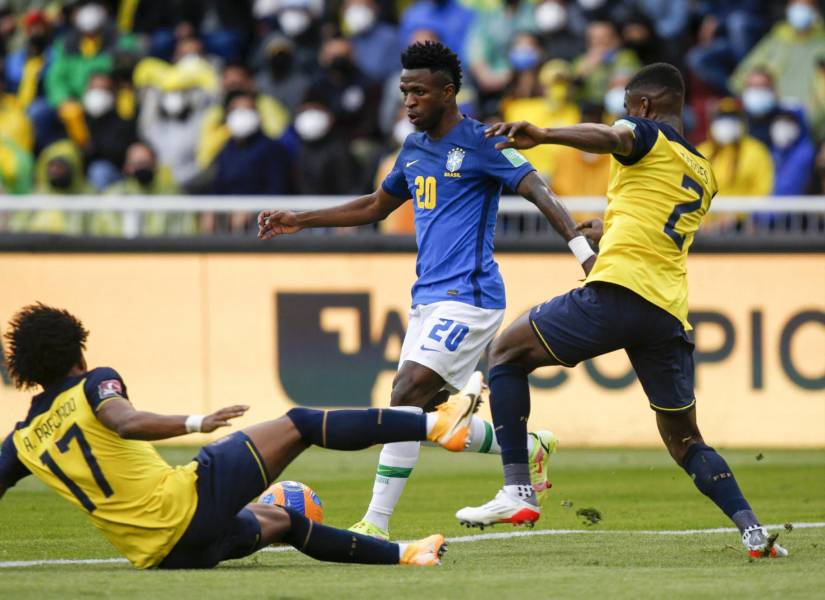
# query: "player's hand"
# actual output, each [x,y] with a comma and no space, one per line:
[222,417]
[520,135]
[592,229]
[276,222]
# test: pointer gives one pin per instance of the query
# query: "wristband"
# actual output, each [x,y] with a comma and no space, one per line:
[580,248]
[193,423]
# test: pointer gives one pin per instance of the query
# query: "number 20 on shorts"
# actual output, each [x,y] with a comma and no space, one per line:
[425,192]
[449,332]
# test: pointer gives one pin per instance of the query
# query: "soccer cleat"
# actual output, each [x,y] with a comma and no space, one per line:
[504,508]
[452,426]
[762,545]
[544,445]
[364,527]
[426,552]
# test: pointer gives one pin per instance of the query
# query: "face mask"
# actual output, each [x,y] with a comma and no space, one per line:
[401,130]
[144,175]
[98,102]
[614,101]
[758,101]
[591,4]
[550,16]
[784,133]
[263,9]
[243,122]
[524,58]
[89,18]
[342,65]
[800,16]
[280,64]
[726,130]
[313,124]
[358,19]
[61,181]
[294,22]
[173,103]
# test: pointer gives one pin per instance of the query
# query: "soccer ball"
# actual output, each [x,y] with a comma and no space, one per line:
[297,496]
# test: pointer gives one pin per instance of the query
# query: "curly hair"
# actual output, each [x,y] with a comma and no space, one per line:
[44,343]
[436,57]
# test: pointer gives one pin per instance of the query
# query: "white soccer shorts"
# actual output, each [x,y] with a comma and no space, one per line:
[450,338]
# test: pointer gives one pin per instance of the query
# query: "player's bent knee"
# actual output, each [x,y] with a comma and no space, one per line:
[307,421]
[274,521]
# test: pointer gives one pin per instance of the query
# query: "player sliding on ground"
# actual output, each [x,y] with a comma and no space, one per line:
[634,298]
[84,439]
[454,176]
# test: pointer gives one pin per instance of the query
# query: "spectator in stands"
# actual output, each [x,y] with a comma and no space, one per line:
[374,42]
[341,85]
[602,60]
[552,108]
[449,20]
[728,31]
[143,176]
[639,35]
[215,133]
[760,102]
[326,164]
[554,28]
[251,162]
[402,220]
[488,44]
[580,173]
[16,168]
[525,58]
[794,50]
[59,171]
[171,116]
[614,107]
[741,163]
[25,69]
[109,134]
[669,17]
[14,123]
[86,48]
[793,152]
[299,20]
[281,77]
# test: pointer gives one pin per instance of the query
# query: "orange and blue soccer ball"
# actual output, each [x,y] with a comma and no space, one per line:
[297,496]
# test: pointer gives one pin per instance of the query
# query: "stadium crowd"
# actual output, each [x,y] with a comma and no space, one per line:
[234,97]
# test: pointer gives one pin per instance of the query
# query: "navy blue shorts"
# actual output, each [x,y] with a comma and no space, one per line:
[231,474]
[602,317]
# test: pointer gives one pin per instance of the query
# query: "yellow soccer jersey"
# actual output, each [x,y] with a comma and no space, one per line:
[140,503]
[656,198]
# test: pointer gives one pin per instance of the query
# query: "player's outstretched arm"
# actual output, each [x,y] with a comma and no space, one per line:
[121,417]
[536,191]
[362,211]
[588,137]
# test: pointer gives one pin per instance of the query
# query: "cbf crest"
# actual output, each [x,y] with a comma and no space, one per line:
[454,159]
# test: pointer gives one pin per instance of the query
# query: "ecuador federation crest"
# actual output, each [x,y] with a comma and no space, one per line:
[454,159]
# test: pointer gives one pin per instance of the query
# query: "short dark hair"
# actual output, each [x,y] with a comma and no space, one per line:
[434,56]
[660,75]
[44,343]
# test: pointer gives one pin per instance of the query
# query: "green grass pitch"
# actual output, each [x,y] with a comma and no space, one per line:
[635,490]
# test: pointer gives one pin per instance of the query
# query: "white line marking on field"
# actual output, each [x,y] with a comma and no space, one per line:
[502,535]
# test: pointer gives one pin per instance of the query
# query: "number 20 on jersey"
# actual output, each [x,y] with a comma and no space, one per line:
[425,192]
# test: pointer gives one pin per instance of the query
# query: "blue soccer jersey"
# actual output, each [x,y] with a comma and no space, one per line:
[455,183]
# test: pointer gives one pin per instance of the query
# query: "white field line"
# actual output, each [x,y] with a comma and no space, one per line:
[502,535]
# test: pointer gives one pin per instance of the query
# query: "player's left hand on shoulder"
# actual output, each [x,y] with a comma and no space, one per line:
[222,417]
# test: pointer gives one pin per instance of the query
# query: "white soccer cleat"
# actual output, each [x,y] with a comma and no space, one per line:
[504,508]
[762,545]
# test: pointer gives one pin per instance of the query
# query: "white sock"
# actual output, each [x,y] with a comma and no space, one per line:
[402,548]
[483,438]
[395,464]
